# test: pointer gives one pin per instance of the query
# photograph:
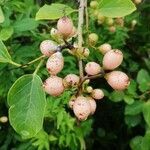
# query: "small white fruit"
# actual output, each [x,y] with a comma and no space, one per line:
[97,94]
[55,63]
[112,59]
[104,48]
[48,47]
[117,80]
[54,86]
[71,80]
[81,108]
[92,68]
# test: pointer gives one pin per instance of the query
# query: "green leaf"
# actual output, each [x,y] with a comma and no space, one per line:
[146,112]
[53,11]
[135,143]
[128,99]
[4,55]
[116,8]
[145,145]
[143,78]
[134,108]
[116,96]
[6,33]
[25,24]
[27,102]
[132,88]
[2,18]
[132,121]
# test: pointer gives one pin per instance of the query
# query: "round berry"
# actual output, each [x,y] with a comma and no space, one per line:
[117,80]
[93,38]
[3,119]
[48,47]
[104,48]
[119,21]
[54,86]
[109,21]
[112,29]
[71,80]
[97,94]
[55,63]
[65,26]
[92,68]
[137,1]
[93,4]
[100,18]
[112,59]
[81,108]
[92,104]
[89,89]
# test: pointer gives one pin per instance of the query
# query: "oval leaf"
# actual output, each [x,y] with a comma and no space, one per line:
[27,102]
[116,8]
[1,16]
[4,55]
[146,112]
[53,11]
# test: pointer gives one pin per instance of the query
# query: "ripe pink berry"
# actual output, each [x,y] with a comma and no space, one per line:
[92,104]
[55,63]
[81,108]
[104,48]
[97,94]
[48,47]
[112,59]
[54,86]
[71,80]
[92,68]
[117,80]
[65,26]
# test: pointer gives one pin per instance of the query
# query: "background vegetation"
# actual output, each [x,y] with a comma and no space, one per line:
[122,119]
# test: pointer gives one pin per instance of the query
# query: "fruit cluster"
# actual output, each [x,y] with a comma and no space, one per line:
[83,102]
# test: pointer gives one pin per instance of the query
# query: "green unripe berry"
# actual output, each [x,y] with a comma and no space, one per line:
[93,38]
[94,4]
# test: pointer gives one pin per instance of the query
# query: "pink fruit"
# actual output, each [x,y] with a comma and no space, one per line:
[97,94]
[55,63]
[112,59]
[54,86]
[104,48]
[48,47]
[117,80]
[112,29]
[92,104]
[65,26]
[81,108]
[92,68]
[71,80]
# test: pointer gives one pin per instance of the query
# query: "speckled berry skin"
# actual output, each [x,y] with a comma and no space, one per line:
[104,48]
[54,86]
[112,59]
[92,104]
[92,68]
[97,94]
[117,80]
[71,80]
[81,108]
[48,47]
[72,101]
[55,63]
[65,27]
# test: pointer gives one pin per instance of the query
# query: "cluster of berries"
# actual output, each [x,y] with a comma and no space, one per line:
[83,103]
